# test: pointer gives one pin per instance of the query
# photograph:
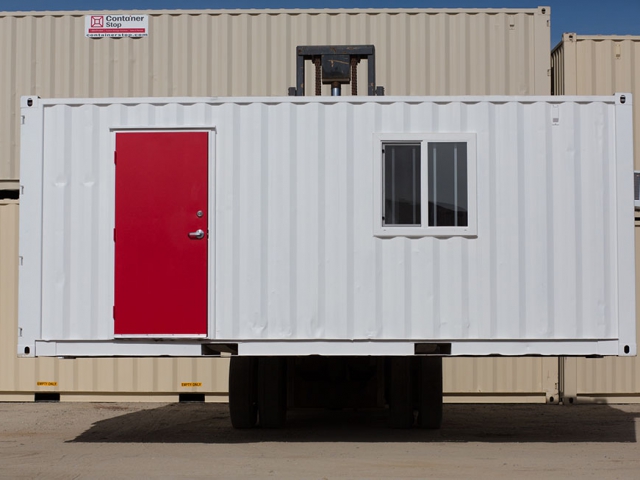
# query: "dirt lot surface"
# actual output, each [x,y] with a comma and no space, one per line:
[102,440]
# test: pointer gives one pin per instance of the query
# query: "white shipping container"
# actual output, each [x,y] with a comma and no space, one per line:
[331,226]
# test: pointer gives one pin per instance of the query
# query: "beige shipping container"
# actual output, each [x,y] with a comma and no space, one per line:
[131,379]
[601,65]
[163,379]
[250,53]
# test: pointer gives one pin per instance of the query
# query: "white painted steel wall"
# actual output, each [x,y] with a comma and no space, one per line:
[305,264]
[295,253]
[252,52]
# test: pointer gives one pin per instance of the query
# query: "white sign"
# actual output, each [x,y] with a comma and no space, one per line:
[119,25]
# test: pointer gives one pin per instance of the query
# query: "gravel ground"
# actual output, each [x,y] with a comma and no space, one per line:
[128,440]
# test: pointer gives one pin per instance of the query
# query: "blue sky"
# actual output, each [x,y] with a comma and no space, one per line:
[586,17]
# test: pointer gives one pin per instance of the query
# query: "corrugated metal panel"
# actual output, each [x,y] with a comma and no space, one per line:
[612,376]
[557,70]
[241,53]
[601,65]
[509,377]
[316,271]
[8,293]
[357,286]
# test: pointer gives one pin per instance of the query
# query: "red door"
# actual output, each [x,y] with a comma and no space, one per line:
[161,233]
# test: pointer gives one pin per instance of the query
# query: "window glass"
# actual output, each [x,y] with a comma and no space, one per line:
[401,181]
[447,173]
[425,185]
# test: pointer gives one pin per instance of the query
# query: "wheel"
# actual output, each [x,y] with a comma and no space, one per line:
[400,399]
[430,389]
[272,392]
[243,407]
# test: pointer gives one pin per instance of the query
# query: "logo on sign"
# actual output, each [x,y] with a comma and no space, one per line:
[108,25]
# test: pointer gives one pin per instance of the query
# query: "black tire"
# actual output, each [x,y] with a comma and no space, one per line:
[400,397]
[272,392]
[243,407]
[430,388]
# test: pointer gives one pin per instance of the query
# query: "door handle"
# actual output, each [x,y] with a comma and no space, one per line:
[197,235]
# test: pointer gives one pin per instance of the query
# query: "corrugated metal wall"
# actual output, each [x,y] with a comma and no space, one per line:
[501,379]
[601,65]
[315,271]
[614,378]
[557,70]
[240,53]
[224,53]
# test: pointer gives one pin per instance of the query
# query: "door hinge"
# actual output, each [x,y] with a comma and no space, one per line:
[115,158]
[114,234]
[114,312]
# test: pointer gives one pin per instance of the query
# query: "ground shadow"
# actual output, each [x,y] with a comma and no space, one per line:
[209,423]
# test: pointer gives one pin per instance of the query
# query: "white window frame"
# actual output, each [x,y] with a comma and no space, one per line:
[423,230]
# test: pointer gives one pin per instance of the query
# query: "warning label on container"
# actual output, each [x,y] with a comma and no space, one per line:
[47,384]
[191,384]
[96,26]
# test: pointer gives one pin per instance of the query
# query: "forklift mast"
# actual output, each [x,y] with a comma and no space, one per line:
[336,65]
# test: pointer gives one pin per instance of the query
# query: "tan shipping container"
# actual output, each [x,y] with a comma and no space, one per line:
[251,53]
[132,379]
[162,379]
[601,65]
